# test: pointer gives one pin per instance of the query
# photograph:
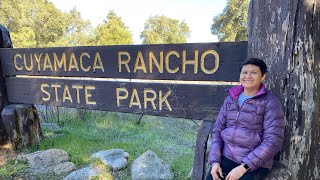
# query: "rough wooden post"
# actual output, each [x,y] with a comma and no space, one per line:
[5,42]
[19,124]
[22,125]
[286,34]
[199,164]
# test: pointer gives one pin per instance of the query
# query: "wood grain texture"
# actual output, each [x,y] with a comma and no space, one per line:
[44,61]
[200,160]
[186,101]
[22,125]
[286,35]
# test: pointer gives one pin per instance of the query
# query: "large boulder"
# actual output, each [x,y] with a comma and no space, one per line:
[115,158]
[50,126]
[149,166]
[51,130]
[52,161]
[87,173]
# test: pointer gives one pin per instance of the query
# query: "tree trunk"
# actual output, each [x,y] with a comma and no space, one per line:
[200,157]
[22,125]
[285,33]
[5,42]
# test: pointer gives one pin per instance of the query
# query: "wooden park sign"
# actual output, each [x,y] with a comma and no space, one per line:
[176,80]
[166,80]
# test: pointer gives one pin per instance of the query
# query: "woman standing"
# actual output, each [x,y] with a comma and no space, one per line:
[249,129]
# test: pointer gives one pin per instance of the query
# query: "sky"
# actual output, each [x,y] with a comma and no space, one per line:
[197,14]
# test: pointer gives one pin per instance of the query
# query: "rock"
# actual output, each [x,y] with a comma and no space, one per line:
[149,166]
[52,161]
[115,158]
[278,172]
[88,173]
[82,174]
[63,168]
[51,126]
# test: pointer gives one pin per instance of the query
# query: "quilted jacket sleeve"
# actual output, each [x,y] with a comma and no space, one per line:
[216,141]
[273,135]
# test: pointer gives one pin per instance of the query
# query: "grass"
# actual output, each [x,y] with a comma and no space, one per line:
[10,168]
[171,139]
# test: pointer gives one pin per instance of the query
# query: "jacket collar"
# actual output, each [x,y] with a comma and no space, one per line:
[235,91]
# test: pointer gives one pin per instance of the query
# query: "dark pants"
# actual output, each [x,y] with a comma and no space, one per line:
[227,165]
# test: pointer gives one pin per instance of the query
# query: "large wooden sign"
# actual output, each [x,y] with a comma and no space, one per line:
[202,61]
[101,77]
[178,100]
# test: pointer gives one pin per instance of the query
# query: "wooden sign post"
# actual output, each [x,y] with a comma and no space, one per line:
[5,42]
[147,79]
[176,80]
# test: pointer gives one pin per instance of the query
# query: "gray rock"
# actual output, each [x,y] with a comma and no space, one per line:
[51,126]
[115,158]
[63,168]
[86,173]
[149,166]
[53,161]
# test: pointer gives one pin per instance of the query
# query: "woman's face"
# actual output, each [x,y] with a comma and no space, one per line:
[251,77]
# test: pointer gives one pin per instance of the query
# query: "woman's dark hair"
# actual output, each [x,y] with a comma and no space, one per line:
[258,62]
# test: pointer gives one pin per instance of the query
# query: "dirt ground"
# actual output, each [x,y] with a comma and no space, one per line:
[6,153]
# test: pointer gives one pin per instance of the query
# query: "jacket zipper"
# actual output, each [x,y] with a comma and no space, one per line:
[238,113]
[236,121]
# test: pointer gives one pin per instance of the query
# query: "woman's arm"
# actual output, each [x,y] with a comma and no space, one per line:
[216,140]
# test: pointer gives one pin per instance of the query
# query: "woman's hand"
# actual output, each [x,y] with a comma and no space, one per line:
[215,170]
[236,173]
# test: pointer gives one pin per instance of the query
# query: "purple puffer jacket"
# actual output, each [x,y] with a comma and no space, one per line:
[253,135]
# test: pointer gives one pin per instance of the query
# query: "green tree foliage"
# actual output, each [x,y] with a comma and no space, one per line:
[42,20]
[25,37]
[113,31]
[78,32]
[164,30]
[231,24]
[13,15]
[38,23]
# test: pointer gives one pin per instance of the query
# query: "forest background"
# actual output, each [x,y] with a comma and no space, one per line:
[39,23]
